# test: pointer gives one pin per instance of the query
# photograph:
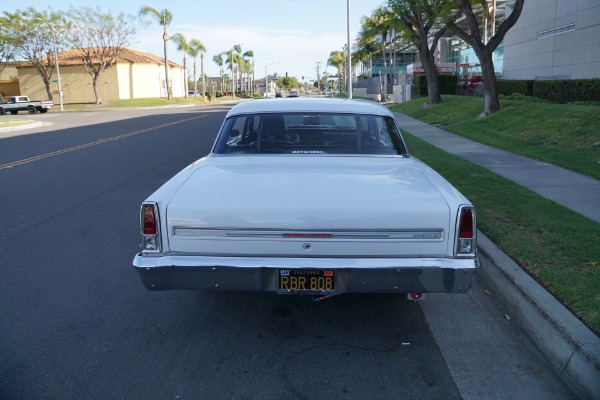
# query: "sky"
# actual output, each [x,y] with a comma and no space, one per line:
[286,36]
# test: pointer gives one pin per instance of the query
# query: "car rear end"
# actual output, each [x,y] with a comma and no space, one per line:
[299,218]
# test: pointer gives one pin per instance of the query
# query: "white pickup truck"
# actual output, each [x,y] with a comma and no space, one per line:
[22,103]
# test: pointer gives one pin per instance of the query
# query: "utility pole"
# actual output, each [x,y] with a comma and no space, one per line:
[349,84]
[318,67]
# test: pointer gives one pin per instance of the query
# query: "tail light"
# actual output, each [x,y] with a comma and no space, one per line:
[466,231]
[150,227]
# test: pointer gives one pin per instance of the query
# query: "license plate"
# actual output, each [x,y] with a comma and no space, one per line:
[306,281]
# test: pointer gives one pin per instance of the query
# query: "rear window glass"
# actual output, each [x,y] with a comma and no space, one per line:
[310,133]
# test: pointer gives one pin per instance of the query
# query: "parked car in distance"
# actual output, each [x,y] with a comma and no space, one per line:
[22,103]
[311,197]
[292,93]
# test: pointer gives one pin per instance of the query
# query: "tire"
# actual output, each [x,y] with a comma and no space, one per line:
[31,110]
[14,112]
[2,111]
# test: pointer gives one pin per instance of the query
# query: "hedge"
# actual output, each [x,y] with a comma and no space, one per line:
[555,91]
[448,84]
[508,88]
[565,91]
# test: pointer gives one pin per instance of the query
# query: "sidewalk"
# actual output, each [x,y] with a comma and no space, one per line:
[570,347]
[570,189]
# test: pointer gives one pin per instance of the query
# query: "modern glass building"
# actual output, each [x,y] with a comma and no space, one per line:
[553,39]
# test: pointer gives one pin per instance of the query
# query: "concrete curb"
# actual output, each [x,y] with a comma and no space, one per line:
[571,348]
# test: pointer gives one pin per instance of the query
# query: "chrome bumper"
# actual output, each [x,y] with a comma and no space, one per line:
[353,275]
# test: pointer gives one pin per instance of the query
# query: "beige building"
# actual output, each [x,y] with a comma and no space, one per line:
[136,74]
[9,81]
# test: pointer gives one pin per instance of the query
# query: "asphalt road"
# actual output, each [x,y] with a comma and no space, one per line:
[76,322]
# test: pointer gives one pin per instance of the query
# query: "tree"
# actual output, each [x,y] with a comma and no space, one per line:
[420,21]
[184,46]
[337,59]
[196,48]
[36,37]
[379,24]
[218,59]
[471,32]
[366,48]
[249,68]
[233,59]
[99,38]
[7,49]
[289,82]
[164,19]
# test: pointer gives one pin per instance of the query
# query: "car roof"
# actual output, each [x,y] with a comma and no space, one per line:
[309,105]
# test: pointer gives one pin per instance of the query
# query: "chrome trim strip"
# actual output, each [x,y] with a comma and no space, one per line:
[434,235]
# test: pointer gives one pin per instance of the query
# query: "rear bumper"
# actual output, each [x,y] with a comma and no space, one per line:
[353,275]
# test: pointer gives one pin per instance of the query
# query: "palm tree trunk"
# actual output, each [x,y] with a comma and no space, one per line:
[202,73]
[185,75]
[166,39]
[195,81]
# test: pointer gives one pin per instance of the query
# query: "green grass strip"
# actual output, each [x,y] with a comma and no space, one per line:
[566,135]
[558,247]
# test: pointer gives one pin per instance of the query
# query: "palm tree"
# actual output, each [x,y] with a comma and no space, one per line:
[379,23]
[367,47]
[218,59]
[250,68]
[337,59]
[196,47]
[164,18]
[234,58]
[184,46]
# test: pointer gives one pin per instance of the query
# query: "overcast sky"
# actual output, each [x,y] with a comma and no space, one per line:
[291,35]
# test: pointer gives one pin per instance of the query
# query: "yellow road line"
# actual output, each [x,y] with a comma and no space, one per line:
[97,142]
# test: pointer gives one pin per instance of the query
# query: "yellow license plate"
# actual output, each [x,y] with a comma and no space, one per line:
[306,281]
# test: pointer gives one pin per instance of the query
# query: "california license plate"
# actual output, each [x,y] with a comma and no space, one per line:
[306,281]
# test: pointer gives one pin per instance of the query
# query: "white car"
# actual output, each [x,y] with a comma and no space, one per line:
[308,196]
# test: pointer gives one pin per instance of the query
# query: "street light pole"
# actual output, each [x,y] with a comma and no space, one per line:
[60,97]
[267,79]
[349,85]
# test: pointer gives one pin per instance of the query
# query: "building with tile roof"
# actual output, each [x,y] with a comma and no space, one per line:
[136,74]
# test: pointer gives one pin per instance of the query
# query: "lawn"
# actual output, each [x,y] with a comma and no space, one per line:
[543,237]
[561,134]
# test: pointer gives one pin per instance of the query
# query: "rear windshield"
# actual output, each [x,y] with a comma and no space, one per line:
[313,133]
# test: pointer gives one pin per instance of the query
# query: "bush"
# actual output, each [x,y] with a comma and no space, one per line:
[565,91]
[421,83]
[510,87]
[448,84]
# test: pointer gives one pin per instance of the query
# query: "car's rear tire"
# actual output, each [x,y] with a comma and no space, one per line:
[31,110]
[14,112]
[2,111]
